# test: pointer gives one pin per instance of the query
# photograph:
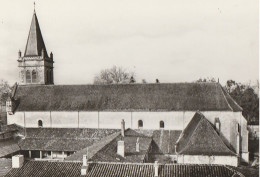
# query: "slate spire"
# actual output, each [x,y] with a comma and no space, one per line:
[35,45]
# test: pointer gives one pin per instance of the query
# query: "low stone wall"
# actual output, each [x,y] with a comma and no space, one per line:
[216,160]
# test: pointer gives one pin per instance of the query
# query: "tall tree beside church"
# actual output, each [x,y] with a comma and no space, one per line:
[5,90]
[114,75]
[246,97]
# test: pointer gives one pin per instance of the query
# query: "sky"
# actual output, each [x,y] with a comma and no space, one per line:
[172,40]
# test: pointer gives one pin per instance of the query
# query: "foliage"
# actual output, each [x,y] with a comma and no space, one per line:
[208,79]
[246,97]
[114,75]
[5,90]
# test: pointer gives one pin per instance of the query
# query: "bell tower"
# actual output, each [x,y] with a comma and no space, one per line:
[35,66]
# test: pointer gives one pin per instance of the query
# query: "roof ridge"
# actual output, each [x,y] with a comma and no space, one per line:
[186,144]
[165,83]
[231,98]
[226,99]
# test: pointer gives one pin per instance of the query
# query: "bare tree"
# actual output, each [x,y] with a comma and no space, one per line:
[114,75]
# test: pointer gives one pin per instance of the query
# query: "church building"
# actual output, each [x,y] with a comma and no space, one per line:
[188,122]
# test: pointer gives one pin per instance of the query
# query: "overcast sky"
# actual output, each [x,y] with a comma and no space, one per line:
[172,40]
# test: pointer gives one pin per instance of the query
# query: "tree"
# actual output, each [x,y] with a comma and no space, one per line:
[144,81]
[114,75]
[246,97]
[5,91]
[208,79]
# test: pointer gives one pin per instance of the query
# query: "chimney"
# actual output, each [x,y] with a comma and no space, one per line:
[121,148]
[19,54]
[17,161]
[137,145]
[123,128]
[156,169]
[217,124]
[84,168]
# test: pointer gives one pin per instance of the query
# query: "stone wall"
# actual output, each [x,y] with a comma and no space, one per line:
[200,159]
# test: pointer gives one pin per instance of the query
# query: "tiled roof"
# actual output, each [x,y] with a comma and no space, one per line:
[53,144]
[68,169]
[165,141]
[106,150]
[200,138]
[9,128]
[62,139]
[46,169]
[8,147]
[5,166]
[68,133]
[125,97]
[35,42]
[93,149]
[109,152]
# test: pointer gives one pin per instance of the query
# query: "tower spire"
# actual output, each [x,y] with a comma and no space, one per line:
[34,6]
[36,67]
[35,43]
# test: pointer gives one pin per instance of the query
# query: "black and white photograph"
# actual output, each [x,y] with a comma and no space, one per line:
[140,88]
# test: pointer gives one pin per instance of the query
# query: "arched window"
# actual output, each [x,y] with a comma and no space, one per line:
[34,76]
[39,123]
[161,124]
[28,77]
[140,124]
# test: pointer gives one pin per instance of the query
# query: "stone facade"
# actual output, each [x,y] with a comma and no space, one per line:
[35,70]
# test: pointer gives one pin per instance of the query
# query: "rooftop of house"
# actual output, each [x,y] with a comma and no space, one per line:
[8,147]
[9,128]
[106,149]
[68,169]
[124,97]
[200,138]
[61,139]
[5,166]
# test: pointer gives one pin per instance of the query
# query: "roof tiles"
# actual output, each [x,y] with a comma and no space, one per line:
[68,169]
[124,97]
[200,138]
